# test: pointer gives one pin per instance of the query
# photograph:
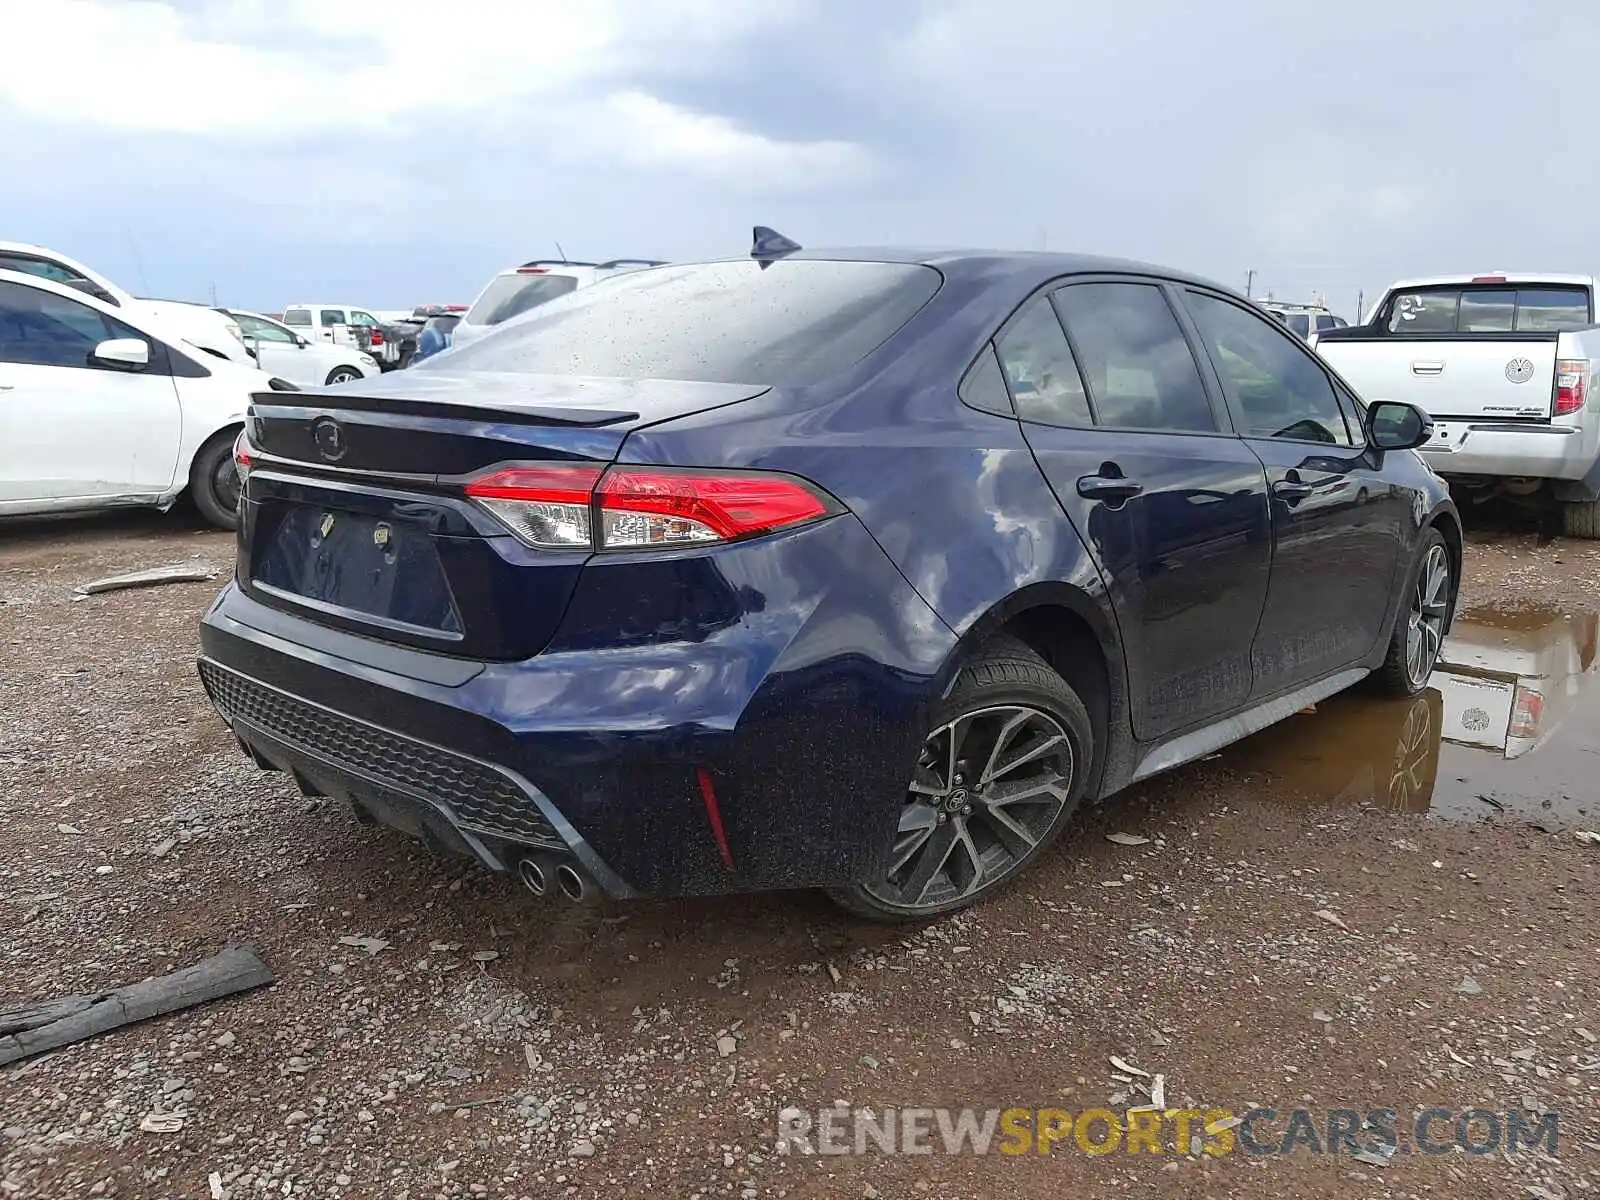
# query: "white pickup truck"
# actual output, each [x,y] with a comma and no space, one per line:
[1507,365]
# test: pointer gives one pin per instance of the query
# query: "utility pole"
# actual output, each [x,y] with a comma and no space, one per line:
[1249,282]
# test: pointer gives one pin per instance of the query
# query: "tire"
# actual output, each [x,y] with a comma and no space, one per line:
[1581,519]
[342,375]
[954,839]
[209,486]
[1426,614]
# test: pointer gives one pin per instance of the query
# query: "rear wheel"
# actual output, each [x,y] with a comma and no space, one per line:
[1419,630]
[999,777]
[214,481]
[1581,519]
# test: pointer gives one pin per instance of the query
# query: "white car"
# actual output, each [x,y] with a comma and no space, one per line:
[282,352]
[100,408]
[196,324]
[343,325]
[517,290]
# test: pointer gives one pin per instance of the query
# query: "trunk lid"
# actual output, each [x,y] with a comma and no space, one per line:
[355,517]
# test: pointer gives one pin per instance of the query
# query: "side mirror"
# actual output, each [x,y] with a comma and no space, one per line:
[300,342]
[131,354]
[1396,425]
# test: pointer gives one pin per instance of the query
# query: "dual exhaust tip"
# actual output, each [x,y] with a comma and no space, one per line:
[564,879]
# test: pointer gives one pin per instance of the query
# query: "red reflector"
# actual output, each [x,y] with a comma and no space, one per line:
[241,451]
[538,485]
[729,506]
[708,797]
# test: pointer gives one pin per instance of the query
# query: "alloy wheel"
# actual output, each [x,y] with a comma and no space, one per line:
[987,789]
[343,375]
[1410,776]
[1430,605]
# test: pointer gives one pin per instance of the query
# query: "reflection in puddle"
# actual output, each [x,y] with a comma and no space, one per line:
[1508,724]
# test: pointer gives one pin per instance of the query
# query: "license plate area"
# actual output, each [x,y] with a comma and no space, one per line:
[377,570]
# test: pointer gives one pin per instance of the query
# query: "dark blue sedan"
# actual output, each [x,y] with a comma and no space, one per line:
[857,570]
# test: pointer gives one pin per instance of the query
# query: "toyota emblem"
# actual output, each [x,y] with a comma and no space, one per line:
[328,435]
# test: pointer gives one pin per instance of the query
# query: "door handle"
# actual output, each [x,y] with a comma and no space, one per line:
[1428,367]
[1292,489]
[1108,487]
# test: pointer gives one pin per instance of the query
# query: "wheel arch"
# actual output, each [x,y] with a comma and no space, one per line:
[1448,522]
[1076,635]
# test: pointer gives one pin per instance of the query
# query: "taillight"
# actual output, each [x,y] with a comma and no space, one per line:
[241,457]
[559,507]
[377,338]
[1571,375]
[1526,713]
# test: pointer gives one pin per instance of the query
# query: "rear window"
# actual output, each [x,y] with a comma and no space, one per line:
[297,316]
[794,323]
[1487,310]
[510,295]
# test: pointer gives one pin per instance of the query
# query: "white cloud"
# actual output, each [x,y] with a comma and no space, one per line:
[649,132]
[276,70]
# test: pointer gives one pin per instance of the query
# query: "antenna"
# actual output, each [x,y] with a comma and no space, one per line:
[562,254]
[138,262]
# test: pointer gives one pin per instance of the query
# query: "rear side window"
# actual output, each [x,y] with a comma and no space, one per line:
[797,322]
[332,316]
[1135,359]
[1040,370]
[1487,310]
[511,295]
[297,316]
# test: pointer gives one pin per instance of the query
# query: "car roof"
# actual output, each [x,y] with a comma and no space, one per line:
[1019,267]
[1517,277]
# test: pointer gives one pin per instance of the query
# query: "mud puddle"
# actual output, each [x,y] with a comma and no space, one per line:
[1508,729]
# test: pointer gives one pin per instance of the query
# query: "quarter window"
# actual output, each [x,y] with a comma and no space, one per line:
[1040,370]
[1140,371]
[1277,387]
[45,330]
[984,388]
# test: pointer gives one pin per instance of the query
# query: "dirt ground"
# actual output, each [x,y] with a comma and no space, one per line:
[1298,931]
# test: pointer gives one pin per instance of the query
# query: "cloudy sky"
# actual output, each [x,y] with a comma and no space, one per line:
[393,152]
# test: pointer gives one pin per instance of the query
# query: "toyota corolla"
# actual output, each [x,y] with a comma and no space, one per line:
[852,570]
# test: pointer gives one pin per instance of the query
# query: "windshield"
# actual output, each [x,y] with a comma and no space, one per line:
[794,323]
[509,295]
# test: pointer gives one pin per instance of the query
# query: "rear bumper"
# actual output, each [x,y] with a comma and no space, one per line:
[1553,451]
[806,714]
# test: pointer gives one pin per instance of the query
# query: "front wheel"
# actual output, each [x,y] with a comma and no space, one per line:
[1420,628]
[342,375]
[214,482]
[999,777]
